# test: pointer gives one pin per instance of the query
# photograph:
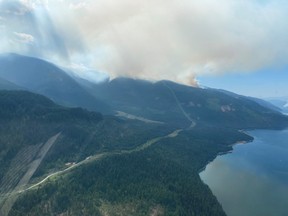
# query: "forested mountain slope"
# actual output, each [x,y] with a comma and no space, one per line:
[167,101]
[162,101]
[103,165]
[56,160]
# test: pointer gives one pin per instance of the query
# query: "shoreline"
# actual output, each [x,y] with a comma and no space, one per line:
[229,151]
[261,142]
[240,142]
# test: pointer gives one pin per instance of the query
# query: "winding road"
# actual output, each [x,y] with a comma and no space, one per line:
[22,185]
[101,156]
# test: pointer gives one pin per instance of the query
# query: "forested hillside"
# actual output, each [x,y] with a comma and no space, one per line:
[136,168]
[163,179]
[69,161]
[166,101]
[29,120]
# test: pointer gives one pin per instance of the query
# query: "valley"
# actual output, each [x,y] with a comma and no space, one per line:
[141,155]
[143,108]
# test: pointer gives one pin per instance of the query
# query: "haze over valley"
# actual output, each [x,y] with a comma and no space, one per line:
[143,108]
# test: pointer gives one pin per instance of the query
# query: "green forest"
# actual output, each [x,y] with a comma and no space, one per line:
[161,178]
[105,165]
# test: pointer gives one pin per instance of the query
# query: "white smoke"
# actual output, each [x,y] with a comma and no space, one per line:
[167,39]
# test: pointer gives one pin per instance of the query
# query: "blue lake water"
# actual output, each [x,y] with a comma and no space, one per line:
[253,179]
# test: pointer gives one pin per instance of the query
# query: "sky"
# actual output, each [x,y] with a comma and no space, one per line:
[269,83]
[238,45]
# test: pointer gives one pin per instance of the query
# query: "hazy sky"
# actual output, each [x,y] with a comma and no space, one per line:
[215,41]
[265,83]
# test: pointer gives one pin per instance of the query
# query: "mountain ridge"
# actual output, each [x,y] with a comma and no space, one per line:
[161,101]
[146,160]
[165,101]
[45,78]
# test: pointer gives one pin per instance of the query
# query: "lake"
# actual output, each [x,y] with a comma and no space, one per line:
[253,179]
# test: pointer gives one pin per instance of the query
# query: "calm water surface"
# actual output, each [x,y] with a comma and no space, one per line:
[253,179]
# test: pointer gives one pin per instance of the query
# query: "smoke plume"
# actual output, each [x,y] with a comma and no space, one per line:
[162,39]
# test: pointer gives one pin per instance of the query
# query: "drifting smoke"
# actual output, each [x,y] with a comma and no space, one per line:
[160,39]
[26,27]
